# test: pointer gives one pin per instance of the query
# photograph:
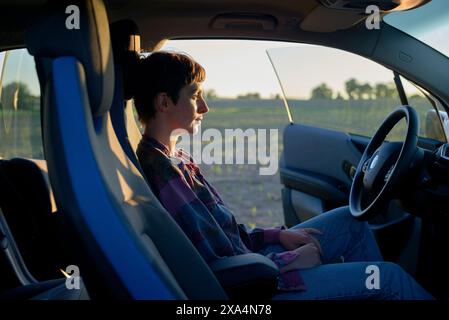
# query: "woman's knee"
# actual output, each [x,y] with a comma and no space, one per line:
[339,219]
[356,226]
[344,217]
[343,214]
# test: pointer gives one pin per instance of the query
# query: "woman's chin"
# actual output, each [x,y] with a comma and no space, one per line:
[195,128]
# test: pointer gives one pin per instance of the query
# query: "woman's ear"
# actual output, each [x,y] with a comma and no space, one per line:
[161,102]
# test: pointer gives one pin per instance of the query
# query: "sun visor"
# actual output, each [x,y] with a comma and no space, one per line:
[383,5]
[343,14]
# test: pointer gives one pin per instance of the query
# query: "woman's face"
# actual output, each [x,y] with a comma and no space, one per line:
[188,112]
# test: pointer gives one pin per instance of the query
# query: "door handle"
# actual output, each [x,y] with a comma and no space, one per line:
[349,169]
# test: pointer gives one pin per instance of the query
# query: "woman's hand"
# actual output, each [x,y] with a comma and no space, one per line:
[291,239]
[308,257]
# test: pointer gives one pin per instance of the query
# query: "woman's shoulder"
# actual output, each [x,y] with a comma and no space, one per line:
[155,160]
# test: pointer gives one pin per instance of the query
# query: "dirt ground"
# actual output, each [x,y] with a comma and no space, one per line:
[255,200]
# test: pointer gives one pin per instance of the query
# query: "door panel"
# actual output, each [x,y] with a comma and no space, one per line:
[316,168]
[319,150]
[316,178]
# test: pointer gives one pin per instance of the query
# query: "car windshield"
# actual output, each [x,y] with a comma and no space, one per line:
[429,24]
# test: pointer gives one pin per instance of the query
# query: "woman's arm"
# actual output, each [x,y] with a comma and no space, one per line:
[257,238]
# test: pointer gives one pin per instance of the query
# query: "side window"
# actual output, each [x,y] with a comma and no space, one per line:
[334,89]
[431,121]
[20,125]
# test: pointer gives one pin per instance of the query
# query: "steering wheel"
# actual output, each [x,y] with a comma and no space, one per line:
[383,165]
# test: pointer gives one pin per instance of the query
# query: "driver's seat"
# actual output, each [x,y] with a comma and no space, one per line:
[128,245]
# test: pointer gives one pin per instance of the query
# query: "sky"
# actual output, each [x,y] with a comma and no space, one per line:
[233,66]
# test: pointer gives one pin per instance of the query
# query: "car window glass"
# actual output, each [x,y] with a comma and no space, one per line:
[430,120]
[20,126]
[334,89]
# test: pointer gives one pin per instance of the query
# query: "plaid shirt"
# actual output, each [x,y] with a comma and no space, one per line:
[200,212]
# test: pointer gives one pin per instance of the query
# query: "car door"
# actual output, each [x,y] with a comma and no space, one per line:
[336,100]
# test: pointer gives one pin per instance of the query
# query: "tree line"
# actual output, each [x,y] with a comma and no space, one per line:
[353,90]
[356,90]
[211,94]
[17,96]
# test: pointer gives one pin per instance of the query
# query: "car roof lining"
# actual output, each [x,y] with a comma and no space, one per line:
[163,19]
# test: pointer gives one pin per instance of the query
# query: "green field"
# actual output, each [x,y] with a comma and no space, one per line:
[20,134]
[361,117]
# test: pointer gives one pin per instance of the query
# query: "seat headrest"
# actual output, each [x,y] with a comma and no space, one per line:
[125,38]
[56,33]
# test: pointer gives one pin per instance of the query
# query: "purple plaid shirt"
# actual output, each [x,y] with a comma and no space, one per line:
[201,213]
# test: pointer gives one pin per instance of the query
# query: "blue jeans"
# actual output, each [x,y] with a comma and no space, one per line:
[347,239]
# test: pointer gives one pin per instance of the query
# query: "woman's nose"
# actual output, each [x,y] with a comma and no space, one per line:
[202,106]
